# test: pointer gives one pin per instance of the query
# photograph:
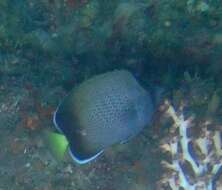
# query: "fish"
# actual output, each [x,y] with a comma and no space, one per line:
[107,109]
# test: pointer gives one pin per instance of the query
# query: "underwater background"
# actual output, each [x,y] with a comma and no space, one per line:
[49,46]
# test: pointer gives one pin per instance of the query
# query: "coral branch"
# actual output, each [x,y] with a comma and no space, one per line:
[192,170]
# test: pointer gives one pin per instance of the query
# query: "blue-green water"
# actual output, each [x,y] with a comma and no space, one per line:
[47,47]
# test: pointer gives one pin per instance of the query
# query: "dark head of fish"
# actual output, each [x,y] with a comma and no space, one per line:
[105,110]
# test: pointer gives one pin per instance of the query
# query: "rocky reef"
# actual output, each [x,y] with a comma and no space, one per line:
[49,46]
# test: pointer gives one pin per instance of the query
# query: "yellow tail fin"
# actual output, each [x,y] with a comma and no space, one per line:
[58,144]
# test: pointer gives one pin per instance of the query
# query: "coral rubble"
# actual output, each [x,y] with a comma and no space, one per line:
[195,161]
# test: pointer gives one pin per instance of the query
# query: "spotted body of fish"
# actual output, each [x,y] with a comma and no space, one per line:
[106,109]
